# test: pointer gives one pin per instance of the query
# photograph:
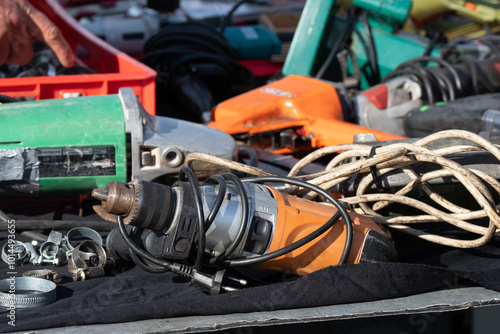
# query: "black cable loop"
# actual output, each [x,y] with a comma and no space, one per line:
[443,63]
[195,43]
[186,171]
[146,267]
[244,218]
[341,211]
[417,72]
[203,53]
[471,66]
[442,84]
[201,32]
[219,199]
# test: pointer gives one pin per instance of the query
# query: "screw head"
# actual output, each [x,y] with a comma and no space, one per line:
[79,275]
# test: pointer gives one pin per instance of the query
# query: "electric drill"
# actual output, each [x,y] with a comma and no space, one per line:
[242,223]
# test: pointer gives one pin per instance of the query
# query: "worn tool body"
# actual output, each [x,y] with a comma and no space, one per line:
[295,113]
[243,224]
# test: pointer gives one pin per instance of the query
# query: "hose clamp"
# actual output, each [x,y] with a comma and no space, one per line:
[87,260]
[47,274]
[44,292]
[15,252]
[79,233]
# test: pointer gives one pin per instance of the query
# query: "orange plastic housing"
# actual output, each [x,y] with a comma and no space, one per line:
[299,217]
[310,106]
[115,69]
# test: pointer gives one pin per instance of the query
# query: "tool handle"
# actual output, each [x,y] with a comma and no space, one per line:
[464,113]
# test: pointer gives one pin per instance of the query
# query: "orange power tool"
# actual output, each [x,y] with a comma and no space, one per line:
[292,114]
[227,222]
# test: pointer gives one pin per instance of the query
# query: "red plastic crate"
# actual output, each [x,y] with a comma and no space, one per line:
[115,69]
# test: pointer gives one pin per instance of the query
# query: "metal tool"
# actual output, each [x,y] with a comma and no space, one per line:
[74,145]
[15,252]
[376,40]
[87,260]
[474,113]
[51,250]
[293,114]
[75,236]
[41,292]
[230,223]
[297,114]
[47,274]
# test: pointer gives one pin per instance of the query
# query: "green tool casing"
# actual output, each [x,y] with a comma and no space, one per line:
[64,145]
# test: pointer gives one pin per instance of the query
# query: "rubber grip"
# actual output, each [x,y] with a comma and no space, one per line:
[464,114]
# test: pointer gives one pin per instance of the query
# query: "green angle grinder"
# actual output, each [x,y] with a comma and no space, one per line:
[78,144]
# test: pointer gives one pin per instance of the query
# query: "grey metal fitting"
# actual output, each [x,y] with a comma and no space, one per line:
[15,252]
[33,253]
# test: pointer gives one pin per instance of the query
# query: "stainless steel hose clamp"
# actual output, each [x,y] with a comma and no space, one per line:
[47,274]
[15,252]
[79,232]
[41,292]
[87,260]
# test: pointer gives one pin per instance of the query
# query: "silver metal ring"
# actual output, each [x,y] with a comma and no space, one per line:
[18,254]
[82,231]
[45,292]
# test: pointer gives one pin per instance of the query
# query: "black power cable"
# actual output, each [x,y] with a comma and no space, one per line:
[138,250]
[196,69]
[229,15]
[218,201]
[455,74]
[146,267]
[193,182]
[244,218]
[335,48]
[372,51]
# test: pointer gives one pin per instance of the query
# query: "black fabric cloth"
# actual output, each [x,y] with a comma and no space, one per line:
[128,293]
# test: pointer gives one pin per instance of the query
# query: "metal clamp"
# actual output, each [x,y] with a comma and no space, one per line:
[15,252]
[44,292]
[79,232]
[47,274]
[87,260]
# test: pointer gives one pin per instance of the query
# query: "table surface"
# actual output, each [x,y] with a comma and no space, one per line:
[446,300]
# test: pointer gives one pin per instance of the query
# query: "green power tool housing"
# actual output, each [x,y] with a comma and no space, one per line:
[75,145]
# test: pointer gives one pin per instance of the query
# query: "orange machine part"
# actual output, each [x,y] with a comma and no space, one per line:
[292,102]
[299,217]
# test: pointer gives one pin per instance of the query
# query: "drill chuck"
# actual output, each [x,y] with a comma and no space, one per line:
[128,201]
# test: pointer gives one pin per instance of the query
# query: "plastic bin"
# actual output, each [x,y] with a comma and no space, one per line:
[115,69]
